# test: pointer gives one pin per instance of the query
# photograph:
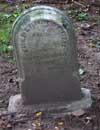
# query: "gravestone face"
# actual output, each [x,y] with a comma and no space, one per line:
[46,55]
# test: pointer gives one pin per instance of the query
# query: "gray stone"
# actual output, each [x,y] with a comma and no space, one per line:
[15,102]
[46,55]
[16,105]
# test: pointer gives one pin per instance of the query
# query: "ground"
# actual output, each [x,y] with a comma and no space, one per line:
[88,44]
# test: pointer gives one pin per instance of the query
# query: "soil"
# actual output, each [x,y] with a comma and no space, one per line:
[89,59]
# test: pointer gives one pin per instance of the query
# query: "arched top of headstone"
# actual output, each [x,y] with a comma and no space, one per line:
[42,12]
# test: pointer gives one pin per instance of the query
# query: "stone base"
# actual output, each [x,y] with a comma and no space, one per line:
[16,105]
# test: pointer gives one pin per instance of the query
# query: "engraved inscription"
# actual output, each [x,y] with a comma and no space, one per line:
[43,44]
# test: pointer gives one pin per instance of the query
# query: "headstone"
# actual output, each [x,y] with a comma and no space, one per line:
[46,54]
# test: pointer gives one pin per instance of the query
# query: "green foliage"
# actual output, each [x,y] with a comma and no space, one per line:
[6,21]
[5,34]
[96,42]
[16,14]
[82,16]
[99,22]
[5,48]
[78,15]
[8,18]
[73,13]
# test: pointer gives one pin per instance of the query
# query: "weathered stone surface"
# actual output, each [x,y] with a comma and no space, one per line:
[45,50]
[15,102]
[55,109]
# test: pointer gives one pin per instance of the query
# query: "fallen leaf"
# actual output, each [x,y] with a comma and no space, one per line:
[2,124]
[38,114]
[9,126]
[34,125]
[81,71]
[56,128]
[88,119]
[60,123]
[86,26]
[92,45]
[38,124]
[78,113]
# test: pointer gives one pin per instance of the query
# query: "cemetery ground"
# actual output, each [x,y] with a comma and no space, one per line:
[88,42]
